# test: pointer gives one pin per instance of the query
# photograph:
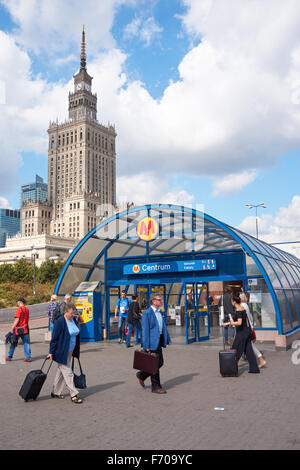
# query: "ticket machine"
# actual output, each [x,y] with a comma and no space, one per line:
[88,301]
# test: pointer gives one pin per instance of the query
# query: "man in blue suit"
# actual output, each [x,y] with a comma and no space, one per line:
[155,336]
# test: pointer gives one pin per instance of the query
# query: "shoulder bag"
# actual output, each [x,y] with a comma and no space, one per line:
[21,330]
[79,380]
[250,324]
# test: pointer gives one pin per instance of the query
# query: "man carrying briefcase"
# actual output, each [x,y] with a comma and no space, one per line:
[155,337]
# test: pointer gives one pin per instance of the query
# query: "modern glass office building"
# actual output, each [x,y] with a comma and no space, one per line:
[34,192]
[9,224]
[180,252]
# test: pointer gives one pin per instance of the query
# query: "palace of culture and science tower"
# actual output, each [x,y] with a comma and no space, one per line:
[81,177]
[81,162]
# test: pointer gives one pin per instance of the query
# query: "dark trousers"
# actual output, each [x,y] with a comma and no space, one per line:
[243,344]
[155,378]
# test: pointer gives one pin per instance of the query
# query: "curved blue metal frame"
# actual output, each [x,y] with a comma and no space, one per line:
[248,243]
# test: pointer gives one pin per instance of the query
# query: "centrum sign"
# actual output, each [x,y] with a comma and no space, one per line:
[169,267]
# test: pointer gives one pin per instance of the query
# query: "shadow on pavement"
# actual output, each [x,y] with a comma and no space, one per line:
[179,380]
[98,388]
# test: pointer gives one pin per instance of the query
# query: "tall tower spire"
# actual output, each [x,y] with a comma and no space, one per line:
[83,55]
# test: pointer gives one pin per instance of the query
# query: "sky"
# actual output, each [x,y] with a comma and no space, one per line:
[204,96]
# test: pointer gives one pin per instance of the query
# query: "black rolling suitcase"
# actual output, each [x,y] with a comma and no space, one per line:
[228,361]
[33,383]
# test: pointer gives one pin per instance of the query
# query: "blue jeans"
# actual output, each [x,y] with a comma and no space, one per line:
[138,327]
[51,325]
[226,332]
[122,327]
[27,350]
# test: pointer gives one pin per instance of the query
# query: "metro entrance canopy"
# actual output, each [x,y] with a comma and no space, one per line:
[166,244]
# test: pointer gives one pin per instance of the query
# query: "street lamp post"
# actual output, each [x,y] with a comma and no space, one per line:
[251,206]
[34,254]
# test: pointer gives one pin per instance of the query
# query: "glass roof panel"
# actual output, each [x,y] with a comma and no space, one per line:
[270,271]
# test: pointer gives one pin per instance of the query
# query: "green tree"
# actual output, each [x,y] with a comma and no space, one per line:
[49,271]
[6,272]
[23,271]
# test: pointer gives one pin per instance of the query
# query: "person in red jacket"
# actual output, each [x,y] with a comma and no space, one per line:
[21,329]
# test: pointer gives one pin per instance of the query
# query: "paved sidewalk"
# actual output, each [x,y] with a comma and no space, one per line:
[260,411]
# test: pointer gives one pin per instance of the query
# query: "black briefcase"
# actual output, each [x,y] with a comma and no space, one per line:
[146,361]
[33,383]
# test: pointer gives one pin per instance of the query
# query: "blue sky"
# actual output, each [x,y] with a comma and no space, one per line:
[205,108]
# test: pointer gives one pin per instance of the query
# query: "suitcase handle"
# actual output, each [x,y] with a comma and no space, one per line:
[149,352]
[48,367]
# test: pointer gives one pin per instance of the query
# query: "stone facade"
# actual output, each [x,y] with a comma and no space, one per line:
[47,247]
[35,218]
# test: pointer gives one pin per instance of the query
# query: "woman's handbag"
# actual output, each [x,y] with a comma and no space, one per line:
[253,335]
[79,380]
[250,325]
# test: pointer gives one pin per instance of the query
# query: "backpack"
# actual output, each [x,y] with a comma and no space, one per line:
[56,313]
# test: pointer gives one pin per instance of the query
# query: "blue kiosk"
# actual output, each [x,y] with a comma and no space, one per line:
[87,300]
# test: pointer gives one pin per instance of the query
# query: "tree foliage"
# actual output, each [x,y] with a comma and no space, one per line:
[49,271]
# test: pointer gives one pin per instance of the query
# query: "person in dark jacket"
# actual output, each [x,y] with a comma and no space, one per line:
[134,320]
[64,344]
[226,302]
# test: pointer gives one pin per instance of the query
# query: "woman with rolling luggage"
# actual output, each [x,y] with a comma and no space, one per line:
[244,296]
[243,338]
[64,344]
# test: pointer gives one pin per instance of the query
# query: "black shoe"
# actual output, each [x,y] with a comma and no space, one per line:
[130,346]
[142,383]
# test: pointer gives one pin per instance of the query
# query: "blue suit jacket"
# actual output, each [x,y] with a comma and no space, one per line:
[150,331]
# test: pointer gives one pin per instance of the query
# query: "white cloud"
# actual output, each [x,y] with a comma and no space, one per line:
[145,29]
[283,227]
[24,118]
[232,107]
[4,204]
[146,188]
[233,183]
[55,25]
[233,110]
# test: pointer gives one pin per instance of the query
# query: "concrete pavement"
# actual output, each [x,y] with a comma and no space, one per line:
[260,411]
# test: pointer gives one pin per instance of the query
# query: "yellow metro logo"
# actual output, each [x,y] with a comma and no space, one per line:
[147,229]
[136,268]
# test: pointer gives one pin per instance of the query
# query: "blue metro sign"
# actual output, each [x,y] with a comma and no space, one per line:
[170,267]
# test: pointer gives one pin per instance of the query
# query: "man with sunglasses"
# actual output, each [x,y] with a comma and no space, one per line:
[155,336]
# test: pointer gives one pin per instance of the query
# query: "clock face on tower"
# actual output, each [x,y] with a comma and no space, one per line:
[87,87]
[78,86]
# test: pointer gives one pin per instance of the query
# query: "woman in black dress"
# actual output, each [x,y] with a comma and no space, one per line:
[242,342]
